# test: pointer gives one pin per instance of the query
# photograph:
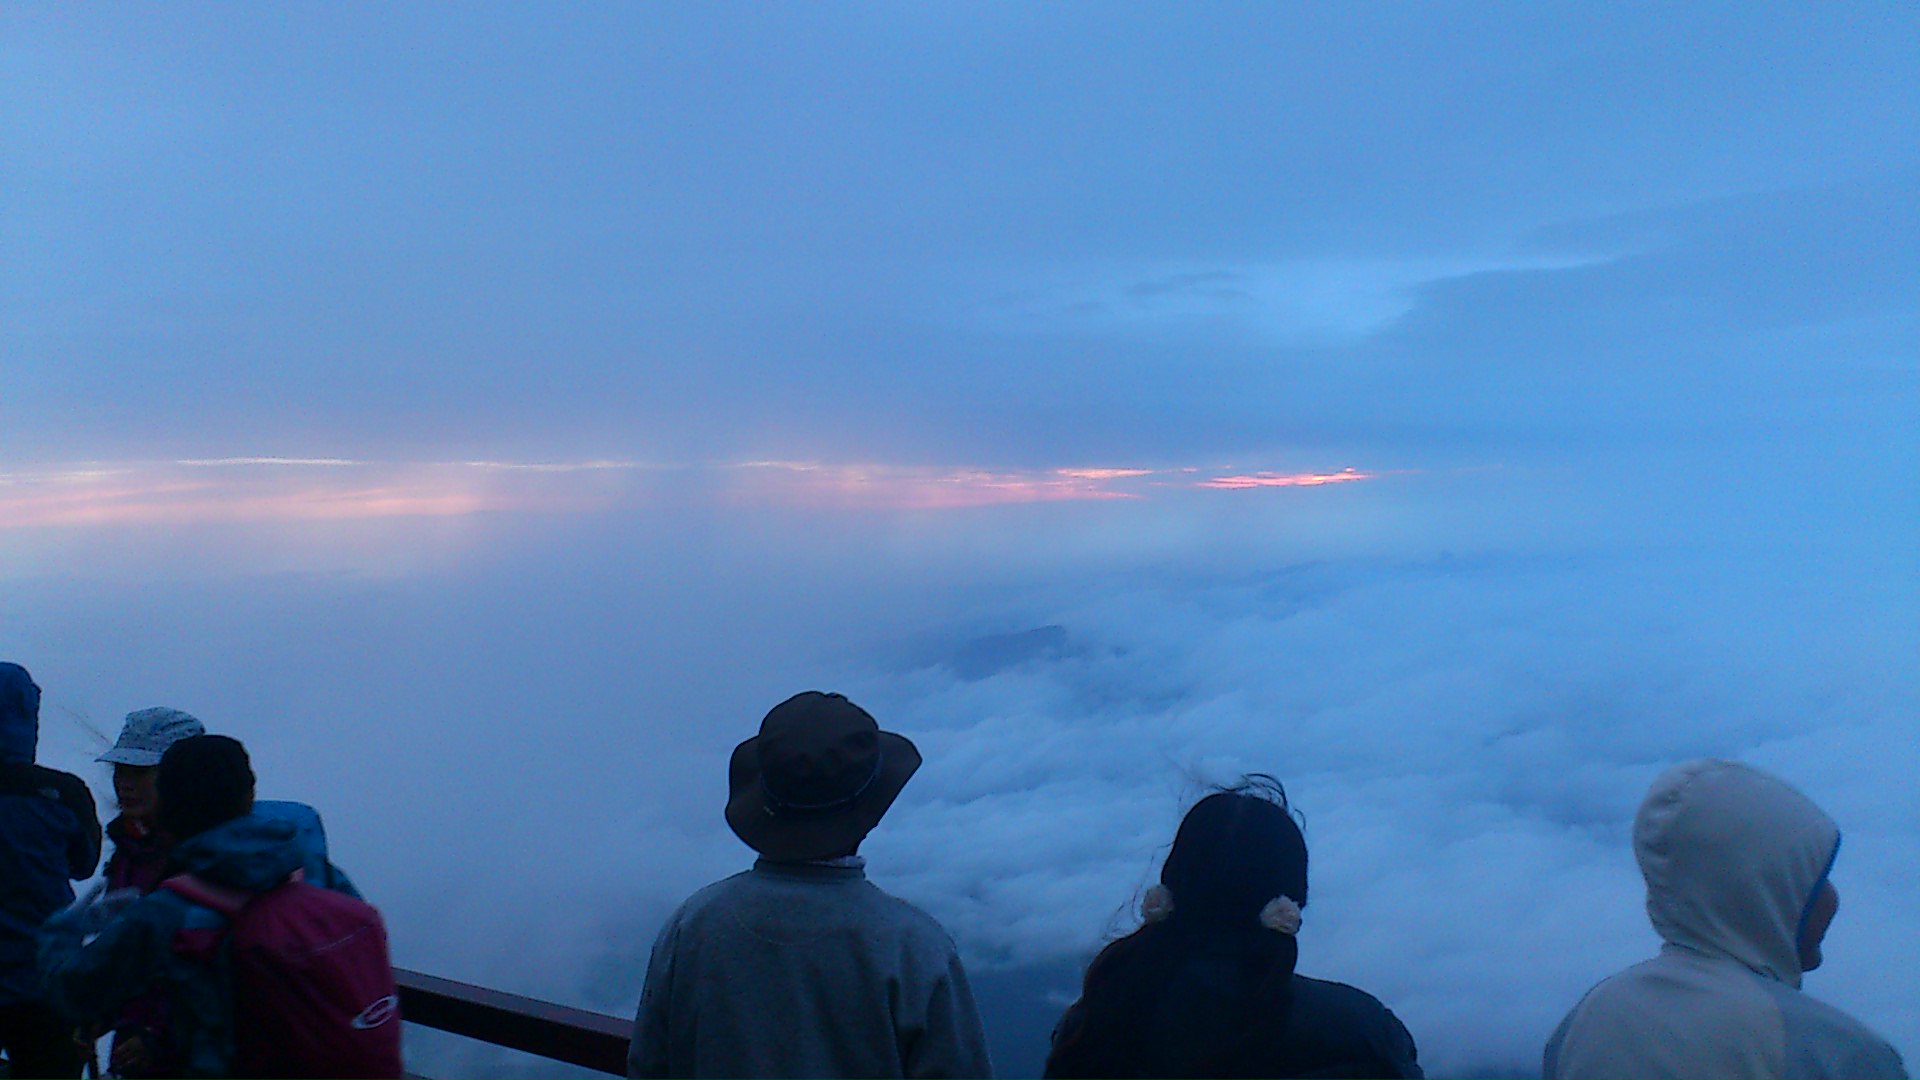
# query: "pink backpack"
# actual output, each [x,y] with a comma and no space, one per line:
[313,990]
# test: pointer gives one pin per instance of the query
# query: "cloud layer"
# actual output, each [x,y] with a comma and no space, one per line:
[523,756]
[1468,741]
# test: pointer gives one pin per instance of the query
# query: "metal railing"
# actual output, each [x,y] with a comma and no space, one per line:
[589,1039]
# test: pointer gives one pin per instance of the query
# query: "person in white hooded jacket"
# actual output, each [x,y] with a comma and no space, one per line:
[1736,863]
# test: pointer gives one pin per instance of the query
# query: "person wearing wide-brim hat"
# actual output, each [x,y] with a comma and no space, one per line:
[801,966]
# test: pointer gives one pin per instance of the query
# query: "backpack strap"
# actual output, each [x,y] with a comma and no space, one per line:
[224,899]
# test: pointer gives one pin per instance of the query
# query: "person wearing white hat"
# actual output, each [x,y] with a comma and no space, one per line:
[138,857]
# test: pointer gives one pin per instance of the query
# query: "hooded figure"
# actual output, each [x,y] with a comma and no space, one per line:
[1736,864]
[49,837]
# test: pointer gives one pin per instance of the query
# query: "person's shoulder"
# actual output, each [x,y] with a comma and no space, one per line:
[1323,1002]
[1679,1013]
[717,894]
[1666,969]
[1603,1003]
[161,913]
[908,916]
[1364,1029]
[1336,998]
[28,778]
[297,814]
[1836,1042]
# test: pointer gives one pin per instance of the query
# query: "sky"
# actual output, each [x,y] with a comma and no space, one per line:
[1459,411]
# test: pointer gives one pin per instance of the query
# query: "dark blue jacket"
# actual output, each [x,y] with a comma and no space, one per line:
[49,834]
[135,953]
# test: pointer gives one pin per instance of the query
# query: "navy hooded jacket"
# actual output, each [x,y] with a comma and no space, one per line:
[49,834]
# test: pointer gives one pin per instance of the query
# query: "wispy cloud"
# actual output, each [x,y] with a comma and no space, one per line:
[1273,480]
[559,466]
[203,463]
[917,487]
[1103,474]
[237,489]
[1300,301]
[929,487]
[257,488]
[153,503]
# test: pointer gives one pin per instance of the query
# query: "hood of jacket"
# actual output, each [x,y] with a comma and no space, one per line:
[19,715]
[309,835]
[1732,857]
[258,851]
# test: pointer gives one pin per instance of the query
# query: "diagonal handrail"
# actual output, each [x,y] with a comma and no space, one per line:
[589,1039]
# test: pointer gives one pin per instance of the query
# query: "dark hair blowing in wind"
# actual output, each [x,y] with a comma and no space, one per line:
[1206,990]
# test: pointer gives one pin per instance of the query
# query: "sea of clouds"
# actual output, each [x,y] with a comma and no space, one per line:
[521,755]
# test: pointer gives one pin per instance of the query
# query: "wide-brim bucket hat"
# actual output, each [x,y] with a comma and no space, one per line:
[816,779]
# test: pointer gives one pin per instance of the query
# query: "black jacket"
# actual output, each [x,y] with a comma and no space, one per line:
[1333,1030]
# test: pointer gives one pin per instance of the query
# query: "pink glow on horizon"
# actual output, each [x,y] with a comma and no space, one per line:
[1272,480]
[921,488]
[1102,474]
[178,504]
[267,489]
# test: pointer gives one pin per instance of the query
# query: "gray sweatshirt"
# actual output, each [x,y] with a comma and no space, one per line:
[803,970]
[1732,856]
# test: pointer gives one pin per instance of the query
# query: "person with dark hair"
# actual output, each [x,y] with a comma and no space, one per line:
[1206,986]
[49,838]
[1736,862]
[225,860]
[800,966]
[140,861]
[204,781]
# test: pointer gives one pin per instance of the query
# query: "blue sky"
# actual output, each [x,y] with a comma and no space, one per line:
[1460,411]
[799,232]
